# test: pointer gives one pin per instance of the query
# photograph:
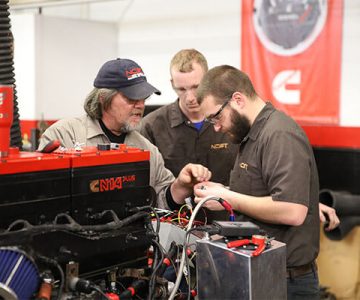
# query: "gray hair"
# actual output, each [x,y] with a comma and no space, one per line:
[98,100]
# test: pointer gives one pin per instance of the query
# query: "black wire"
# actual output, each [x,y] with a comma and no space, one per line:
[153,197]
[97,288]
[156,268]
[61,273]
[161,257]
[157,229]
[211,229]
[149,224]
[157,249]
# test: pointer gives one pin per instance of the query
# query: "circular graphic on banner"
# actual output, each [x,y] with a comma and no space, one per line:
[288,27]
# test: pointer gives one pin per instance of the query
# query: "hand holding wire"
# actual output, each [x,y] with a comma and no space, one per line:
[206,189]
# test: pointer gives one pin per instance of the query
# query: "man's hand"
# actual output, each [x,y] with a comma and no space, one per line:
[190,175]
[205,189]
[330,213]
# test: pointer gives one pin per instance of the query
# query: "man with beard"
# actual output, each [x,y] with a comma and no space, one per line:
[274,182]
[114,109]
[181,135]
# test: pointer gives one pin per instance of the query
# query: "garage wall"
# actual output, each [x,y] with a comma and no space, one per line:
[350,77]
[55,59]
[207,25]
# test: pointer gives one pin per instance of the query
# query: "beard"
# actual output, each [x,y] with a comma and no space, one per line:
[128,127]
[240,127]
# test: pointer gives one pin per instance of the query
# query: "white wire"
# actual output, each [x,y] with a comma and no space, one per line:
[187,237]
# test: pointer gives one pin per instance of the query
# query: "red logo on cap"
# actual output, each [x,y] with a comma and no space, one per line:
[134,73]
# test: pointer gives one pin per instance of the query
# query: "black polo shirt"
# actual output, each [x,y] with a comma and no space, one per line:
[276,159]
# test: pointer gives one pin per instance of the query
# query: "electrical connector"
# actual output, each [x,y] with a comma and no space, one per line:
[236,229]
[228,208]
[210,229]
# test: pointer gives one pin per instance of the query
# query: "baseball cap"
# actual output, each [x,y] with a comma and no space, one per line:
[127,77]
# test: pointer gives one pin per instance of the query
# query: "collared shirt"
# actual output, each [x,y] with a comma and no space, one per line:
[181,143]
[87,131]
[276,159]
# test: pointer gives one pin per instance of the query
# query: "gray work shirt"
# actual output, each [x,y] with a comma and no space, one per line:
[276,159]
[88,132]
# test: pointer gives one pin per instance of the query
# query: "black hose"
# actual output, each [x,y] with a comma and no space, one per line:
[54,263]
[347,208]
[345,203]
[7,76]
[157,262]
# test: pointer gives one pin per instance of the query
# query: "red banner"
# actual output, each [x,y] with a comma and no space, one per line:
[292,52]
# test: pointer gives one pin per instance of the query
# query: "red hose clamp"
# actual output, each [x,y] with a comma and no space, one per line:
[257,240]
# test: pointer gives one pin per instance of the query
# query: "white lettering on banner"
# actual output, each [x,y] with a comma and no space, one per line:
[281,84]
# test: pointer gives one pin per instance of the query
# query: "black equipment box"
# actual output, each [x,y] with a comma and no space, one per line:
[33,187]
[75,202]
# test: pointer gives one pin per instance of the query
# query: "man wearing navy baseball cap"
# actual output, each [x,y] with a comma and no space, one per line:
[114,109]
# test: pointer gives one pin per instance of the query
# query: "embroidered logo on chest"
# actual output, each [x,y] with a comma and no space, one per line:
[219,146]
[243,165]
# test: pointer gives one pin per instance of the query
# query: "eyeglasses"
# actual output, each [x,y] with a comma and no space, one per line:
[213,118]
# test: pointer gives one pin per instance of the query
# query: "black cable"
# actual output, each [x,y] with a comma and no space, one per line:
[157,229]
[157,249]
[210,229]
[156,268]
[85,286]
[153,197]
[133,289]
[97,289]
[169,255]
[61,273]
[150,227]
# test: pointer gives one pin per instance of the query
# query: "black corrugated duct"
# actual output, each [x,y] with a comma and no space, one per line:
[347,207]
[7,75]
